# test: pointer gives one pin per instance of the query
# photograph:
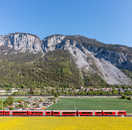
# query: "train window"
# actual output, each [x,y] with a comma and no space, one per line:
[37,112]
[56,112]
[108,112]
[48,112]
[86,112]
[121,112]
[19,112]
[98,112]
[68,112]
[1,113]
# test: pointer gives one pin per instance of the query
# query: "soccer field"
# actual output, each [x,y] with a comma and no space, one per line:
[65,123]
[92,104]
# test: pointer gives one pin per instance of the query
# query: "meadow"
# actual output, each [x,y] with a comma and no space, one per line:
[65,123]
[92,104]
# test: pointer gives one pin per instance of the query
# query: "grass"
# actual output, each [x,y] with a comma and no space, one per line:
[92,104]
[65,123]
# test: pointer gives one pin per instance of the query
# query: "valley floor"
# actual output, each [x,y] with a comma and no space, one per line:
[65,123]
[91,103]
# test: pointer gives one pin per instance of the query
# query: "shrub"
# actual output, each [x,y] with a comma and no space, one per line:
[123,96]
[129,98]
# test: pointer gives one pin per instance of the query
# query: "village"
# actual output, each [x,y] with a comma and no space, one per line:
[26,103]
[82,91]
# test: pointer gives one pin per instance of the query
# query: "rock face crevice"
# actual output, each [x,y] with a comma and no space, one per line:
[90,55]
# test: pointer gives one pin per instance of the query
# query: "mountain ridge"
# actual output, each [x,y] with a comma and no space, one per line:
[90,55]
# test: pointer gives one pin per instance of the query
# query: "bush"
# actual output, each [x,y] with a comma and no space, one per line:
[123,97]
[56,94]
[129,98]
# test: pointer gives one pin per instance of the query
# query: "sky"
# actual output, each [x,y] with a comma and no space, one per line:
[109,21]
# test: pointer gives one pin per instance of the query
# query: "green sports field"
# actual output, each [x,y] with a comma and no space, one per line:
[92,104]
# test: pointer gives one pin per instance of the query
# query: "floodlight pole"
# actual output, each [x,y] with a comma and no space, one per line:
[75,108]
[2,103]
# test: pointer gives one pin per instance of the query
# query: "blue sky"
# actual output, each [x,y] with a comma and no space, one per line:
[109,21]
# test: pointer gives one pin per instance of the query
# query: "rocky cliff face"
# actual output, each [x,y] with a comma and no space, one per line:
[90,55]
[21,42]
[92,58]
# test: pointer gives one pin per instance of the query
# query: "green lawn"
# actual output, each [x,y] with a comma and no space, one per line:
[92,104]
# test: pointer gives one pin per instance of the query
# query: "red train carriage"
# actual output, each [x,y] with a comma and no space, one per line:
[52,113]
[20,113]
[85,113]
[109,113]
[48,113]
[35,113]
[56,113]
[1,113]
[68,113]
[121,113]
[98,113]
[4,113]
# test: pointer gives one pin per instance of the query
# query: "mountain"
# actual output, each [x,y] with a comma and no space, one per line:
[60,60]
[94,57]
